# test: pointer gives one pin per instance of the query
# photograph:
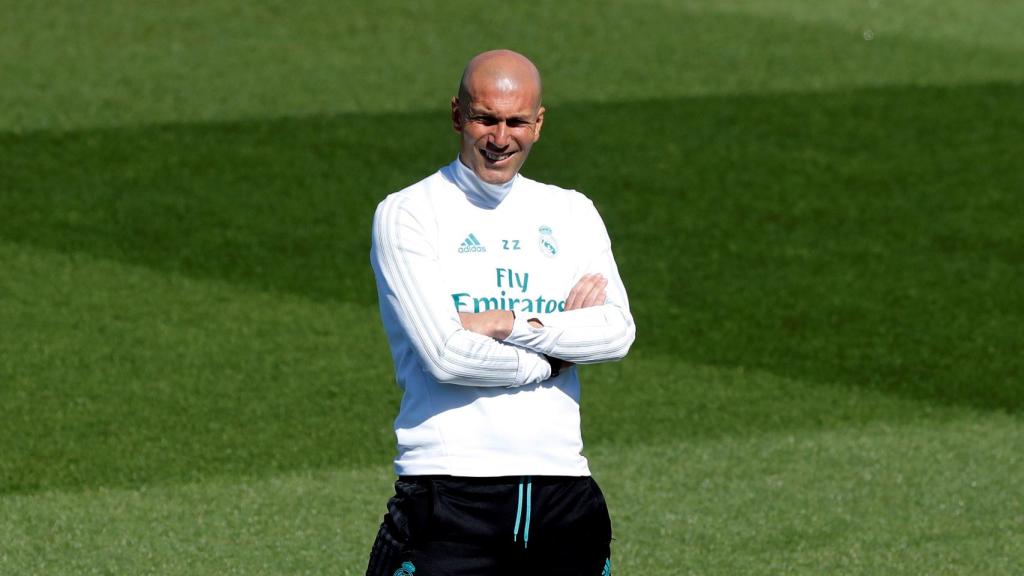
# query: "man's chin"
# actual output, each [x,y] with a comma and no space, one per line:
[495,177]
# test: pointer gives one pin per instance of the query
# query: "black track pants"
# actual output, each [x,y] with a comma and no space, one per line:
[451,526]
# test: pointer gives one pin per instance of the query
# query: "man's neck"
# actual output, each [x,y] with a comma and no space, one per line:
[480,193]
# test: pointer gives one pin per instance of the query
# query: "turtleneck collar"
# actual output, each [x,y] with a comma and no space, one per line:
[477,191]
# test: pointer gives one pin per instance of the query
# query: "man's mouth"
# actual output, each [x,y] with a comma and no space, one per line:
[495,157]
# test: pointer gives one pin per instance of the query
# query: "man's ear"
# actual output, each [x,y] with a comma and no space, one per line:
[456,115]
[538,124]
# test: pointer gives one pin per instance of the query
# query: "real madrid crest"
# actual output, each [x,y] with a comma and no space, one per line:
[547,243]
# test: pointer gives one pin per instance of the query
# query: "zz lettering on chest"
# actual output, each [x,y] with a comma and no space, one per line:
[510,244]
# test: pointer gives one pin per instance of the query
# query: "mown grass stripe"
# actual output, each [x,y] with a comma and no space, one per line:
[115,375]
[865,237]
[895,499]
[72,65]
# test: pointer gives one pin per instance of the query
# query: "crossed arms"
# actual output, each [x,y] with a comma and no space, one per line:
[489,349]
[498,324]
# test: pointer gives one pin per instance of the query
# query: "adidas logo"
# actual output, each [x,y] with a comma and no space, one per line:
[471,244]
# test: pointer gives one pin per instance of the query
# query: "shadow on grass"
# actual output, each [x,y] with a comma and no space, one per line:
[868,237]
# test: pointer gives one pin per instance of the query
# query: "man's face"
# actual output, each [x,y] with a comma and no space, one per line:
[498,125]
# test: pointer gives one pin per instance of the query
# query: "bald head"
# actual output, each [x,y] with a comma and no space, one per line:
[498,114]
[501,70]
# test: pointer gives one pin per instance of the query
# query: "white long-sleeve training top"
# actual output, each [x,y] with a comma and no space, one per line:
[472,405]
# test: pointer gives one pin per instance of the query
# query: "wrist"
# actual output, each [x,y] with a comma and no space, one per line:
[556,365]
[504,324]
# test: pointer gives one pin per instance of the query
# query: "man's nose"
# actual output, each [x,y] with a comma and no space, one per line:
[499,137]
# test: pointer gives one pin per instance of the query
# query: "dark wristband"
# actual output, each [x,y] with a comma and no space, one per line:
[556,365]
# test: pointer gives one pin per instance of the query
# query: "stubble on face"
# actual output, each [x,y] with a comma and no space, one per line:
[498,114]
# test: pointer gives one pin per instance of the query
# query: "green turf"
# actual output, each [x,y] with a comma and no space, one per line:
[815,207]
[70,64]
[912,499]
[926,498]
[153,378]
[862,236]
[117,375]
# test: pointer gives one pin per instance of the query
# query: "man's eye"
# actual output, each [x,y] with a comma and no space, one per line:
[486,120]
[517,123]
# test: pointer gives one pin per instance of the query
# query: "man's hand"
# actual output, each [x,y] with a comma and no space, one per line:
[496,324]
[589,291]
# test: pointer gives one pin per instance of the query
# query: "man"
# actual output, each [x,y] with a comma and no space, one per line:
[492,288]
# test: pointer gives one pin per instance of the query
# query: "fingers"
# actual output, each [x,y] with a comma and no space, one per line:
[597,295]
[589,291]
[581,291]
[571,300]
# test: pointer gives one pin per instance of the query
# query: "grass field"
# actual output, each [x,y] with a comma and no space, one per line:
[816,207]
